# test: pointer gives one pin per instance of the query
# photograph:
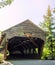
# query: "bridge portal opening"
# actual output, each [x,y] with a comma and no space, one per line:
[25,48]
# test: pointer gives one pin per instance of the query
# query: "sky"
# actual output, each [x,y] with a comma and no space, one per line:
[20,10]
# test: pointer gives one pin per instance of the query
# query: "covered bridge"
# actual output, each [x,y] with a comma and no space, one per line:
[25,40]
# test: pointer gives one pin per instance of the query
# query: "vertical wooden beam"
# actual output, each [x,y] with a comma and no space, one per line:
[33,50]
[40,49]
[29,50]
[39,52]
[5,52]
[26,50]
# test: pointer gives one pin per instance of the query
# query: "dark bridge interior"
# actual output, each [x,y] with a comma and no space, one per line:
[25,48]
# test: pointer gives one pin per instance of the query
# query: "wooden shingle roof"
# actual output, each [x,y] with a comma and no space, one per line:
[25,27]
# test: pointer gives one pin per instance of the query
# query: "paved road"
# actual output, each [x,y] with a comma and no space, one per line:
[33,62]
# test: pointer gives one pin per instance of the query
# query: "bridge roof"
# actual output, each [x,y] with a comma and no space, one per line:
[25,27]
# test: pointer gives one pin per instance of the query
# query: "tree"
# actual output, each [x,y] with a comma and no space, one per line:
[5,3]
[2,43]
[48,25]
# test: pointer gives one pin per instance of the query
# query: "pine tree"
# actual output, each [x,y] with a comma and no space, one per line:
[48,25]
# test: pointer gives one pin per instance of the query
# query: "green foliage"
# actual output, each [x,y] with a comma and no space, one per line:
[46,53]
[48,25]
[8,53]
[54,10]
[1,57]
[5,3]
[1,46]
[9,1]
[36,50]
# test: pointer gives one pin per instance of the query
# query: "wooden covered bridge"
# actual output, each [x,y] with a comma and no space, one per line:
[25,40]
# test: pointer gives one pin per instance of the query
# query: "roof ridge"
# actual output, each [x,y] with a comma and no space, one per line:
[27,20]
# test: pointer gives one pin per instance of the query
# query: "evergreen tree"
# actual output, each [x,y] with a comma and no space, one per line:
[48,25]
